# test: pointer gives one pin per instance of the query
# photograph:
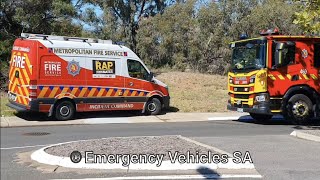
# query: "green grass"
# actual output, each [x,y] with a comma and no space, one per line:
[5,110]
[195,92]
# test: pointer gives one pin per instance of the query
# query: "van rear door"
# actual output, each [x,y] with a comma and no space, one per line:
[20,73]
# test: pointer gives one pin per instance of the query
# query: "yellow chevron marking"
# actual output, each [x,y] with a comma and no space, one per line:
[133,93]
[281,77]
[271,77]
[43,92]
[313,76]
[64,90]
[93,90]
[117,92]
[305,76]
[11,65]
[101,92]
[141,94]
[26,76]
[83,91]
[74,91]
[20,93]
[19,99]
[109,92]
[289,76]
[53,92]
[126,92]
[24,100]
[28,63]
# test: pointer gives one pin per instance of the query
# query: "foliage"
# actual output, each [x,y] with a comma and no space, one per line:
[308,18]
[120,20]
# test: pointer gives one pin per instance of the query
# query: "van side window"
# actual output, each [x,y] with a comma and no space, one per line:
[317,55]
[137,70]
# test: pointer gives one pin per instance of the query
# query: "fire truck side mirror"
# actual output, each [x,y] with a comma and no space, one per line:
[278,54]
[280,46]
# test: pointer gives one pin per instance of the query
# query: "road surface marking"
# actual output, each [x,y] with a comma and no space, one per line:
[22,147]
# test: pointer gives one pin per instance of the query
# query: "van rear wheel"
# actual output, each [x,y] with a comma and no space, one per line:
[64,110]
[153,107]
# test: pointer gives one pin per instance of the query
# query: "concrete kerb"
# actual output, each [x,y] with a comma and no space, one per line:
[169,117]
[42,157]
[301,134]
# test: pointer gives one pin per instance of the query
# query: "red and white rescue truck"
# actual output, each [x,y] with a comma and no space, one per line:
[63,75]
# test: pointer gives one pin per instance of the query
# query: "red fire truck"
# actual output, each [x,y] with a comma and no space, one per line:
[276,74]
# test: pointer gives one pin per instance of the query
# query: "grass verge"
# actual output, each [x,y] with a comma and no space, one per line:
[195,92]
[4,109]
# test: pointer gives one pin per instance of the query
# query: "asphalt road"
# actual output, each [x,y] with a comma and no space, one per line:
[275,153]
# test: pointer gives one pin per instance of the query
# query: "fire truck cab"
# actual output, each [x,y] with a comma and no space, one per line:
[276,74]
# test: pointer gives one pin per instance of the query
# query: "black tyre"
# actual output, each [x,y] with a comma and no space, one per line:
[153,107]
[64,110]
[260,118]
[298,109]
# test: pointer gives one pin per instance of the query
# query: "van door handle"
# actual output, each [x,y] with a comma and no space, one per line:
[130,83]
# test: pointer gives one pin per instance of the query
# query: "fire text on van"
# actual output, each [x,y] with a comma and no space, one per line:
[19,61]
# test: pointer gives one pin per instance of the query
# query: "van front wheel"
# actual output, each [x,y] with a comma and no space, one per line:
[64,110]
[153,107]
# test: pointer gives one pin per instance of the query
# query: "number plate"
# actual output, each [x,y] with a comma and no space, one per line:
[12,97]
[240,110]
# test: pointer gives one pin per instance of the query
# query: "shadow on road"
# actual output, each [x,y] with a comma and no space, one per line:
[37,116]
[208,173]
[278,120]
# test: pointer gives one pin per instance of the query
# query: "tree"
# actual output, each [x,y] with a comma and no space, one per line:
[269,15]
[34,16]
[309,16]
[170,39]
[122,17]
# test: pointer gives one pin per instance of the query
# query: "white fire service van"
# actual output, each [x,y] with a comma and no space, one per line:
[63,75]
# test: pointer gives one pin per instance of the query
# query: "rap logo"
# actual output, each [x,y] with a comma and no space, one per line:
[104,65]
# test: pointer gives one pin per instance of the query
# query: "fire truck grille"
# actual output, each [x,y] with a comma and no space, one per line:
[241,96]
[241,105]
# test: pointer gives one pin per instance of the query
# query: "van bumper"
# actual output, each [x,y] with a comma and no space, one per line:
[17,107]
[166,102]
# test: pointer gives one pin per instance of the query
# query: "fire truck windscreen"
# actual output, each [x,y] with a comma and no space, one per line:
[248,55]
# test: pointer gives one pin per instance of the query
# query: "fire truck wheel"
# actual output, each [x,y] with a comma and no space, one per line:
[64,110]
[153,107]
[299,109]
[259,118]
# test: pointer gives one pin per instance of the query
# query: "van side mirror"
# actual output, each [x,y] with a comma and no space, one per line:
[150,76]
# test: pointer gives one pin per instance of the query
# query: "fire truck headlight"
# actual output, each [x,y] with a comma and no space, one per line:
[230,80]
[252,78]
[262,97]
